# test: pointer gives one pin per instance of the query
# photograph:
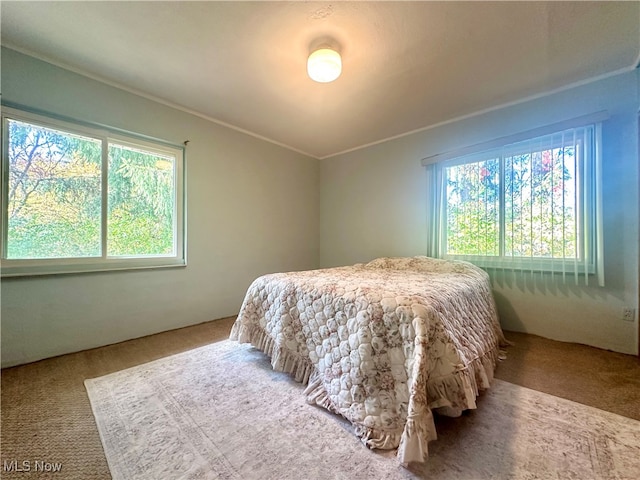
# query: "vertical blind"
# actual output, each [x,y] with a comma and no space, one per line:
[531,202]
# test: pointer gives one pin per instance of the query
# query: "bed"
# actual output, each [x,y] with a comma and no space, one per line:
[383,344]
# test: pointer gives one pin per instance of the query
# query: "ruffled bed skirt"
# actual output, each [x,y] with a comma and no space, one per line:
[282,360]
[447,395]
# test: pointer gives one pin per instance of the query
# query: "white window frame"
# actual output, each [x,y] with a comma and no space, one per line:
[590,259]
[48,266]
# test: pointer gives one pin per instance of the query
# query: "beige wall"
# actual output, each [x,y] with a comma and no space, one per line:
[252,208]
[373,203]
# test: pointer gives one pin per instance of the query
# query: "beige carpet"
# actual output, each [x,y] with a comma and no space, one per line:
[221,412]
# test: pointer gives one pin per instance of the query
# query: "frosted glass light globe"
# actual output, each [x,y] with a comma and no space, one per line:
[324,65]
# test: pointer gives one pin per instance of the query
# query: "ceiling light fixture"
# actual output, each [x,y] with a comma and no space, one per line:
[324,65]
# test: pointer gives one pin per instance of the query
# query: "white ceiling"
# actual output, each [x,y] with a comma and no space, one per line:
[406,65]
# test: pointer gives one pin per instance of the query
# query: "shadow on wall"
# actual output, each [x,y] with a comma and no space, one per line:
[511,368]
[547,283]
[509,319]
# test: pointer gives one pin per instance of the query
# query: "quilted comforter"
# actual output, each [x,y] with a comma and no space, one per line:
[382,344]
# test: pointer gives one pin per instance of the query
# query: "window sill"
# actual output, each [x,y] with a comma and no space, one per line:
[42,268]
[527,264]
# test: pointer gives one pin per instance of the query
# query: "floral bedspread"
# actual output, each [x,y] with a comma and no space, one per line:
[382,344]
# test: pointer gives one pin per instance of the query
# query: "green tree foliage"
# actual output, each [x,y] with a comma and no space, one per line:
[539,205]
[54,197]
[54,194]
[141,203]
[473,209]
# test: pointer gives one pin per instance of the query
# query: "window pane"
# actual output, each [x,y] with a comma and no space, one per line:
[473,211]
[142,201]
[528,205]
[53,193]
[540,203]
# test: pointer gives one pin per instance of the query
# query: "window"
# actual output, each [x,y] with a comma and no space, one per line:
[530,204]
[84,199]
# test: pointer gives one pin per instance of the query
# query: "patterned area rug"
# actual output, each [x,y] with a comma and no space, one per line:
[221,412]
